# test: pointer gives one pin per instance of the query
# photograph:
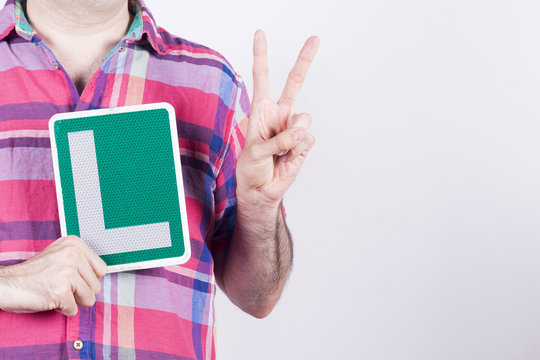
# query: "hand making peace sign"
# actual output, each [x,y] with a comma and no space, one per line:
[277,141]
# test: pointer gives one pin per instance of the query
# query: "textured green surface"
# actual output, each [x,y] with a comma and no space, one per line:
[136,174]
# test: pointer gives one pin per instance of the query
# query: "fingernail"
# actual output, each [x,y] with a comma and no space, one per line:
[299,134]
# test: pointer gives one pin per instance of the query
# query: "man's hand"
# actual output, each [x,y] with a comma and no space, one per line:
[62,276]
[255,268]
[277,141]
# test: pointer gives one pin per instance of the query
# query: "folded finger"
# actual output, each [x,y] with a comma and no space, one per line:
[97,264]
[302,148]
[83,294]
[302,120]
[68,307]
[279,144]
[89,276]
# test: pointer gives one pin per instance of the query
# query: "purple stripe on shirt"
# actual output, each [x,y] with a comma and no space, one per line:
[187,130]
[188,74]
[32,111]
[25,142]
[194,163]
[29,230]
[197,61]
[8,263]
[30,352]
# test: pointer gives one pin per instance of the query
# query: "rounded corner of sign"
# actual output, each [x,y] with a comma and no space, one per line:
[52,122]
[185,256]
[169,108]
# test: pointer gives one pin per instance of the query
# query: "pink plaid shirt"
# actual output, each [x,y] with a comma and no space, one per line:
[161,313]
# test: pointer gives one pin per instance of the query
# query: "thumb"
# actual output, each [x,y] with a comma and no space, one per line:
[280,143]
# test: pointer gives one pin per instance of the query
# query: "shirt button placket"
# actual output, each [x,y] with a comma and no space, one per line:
[73,337]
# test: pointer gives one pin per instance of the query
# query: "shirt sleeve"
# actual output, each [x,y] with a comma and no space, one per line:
[225,190]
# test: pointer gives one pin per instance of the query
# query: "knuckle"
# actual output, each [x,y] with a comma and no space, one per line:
[311,139]
[61,241]
[304,56]
[296,77]
[303,120]
[71,252]
[282,144]
[60,293]
[52,303]
[292,155]
[67,272]
[88,300]
[97,288]
[287,99]
[72,312]
[256,151]
[101,271]
[72,238]
[262,71]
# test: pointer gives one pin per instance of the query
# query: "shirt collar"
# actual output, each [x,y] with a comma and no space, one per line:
[12,17]
[144,23]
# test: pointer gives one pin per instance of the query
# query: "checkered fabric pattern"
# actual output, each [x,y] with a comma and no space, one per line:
[161,313]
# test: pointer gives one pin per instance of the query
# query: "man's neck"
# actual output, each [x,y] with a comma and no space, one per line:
[80,33]
[79,18]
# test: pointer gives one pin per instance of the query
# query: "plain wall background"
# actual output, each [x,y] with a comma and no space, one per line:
[416,216]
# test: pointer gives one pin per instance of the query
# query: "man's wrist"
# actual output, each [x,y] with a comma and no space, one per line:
[256,207]
[4,291]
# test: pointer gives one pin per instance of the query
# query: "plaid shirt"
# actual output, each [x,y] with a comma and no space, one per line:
[161,313]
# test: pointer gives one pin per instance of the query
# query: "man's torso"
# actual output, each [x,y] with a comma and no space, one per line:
[162,313]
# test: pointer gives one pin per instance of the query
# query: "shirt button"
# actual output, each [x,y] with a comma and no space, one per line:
[55,64]
[122,49]
[78,345]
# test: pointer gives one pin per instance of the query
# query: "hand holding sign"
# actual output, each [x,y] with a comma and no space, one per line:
[277,141]
[61,277]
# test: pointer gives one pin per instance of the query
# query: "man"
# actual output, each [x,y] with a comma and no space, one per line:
[66,55]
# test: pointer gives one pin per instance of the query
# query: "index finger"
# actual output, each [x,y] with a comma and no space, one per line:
[96,262]
[260,67]
[298,73]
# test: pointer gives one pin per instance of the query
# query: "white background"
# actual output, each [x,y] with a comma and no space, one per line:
[416,216]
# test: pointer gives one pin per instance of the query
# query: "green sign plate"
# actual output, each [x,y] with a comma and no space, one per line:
[119,184]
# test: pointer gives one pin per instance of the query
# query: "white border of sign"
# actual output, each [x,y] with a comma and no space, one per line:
[177,167]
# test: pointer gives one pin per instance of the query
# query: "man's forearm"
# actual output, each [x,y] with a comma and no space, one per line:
[259,259]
